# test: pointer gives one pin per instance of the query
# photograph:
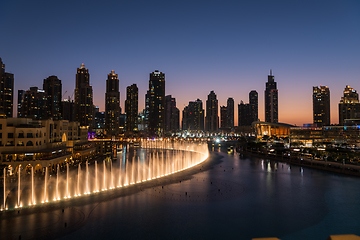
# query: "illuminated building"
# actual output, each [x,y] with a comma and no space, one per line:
[83,98]
[193,116]
[112,105]
[156,96]
[131,108]
[349,106]
[53,88]
[21,94]
[223,117]
[230,113]
[321,106]
[279,130]
[248,112]
[172,115]
[35,104]
[271,100]
[212,116]
[6,91]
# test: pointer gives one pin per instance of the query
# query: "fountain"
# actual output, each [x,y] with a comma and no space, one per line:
[156,159]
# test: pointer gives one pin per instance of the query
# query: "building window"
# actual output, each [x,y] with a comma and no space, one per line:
[29,143]
[21,135]
[29,135]
[10,135]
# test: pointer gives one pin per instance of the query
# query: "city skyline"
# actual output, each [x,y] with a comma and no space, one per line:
[306,44]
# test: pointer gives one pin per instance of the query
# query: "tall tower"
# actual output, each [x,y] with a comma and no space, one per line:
[349,106]
[84,109]
[223,117]
[35,104]
[156,103]
[321,106]
[172,115]
[193,116]
[53,88]
[112,105]
[271,100]
[21,94]
[6,91]
[230,113]
[253,101]
[131,108]
[212,116]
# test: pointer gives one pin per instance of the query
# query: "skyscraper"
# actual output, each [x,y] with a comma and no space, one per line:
[84,109]
[212,116]
[223,117]
[244,114]
[6,91]
[193,116]
[230,113]
[112,105]
[21,94]
[172,115]
[349,106]
[253,101]
[321,106]
[271,100]
[53,88]
[131,108]
[156,103]
[35,104]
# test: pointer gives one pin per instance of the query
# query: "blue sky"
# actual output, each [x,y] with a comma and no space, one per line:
[225,46]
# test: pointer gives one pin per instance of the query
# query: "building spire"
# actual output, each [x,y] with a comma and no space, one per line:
[270,72]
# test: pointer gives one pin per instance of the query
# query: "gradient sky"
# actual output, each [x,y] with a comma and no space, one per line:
[225,46]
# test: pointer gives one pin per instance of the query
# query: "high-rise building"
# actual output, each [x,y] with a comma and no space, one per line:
[244,114]
[271,100]
[131,108]
[349,106]
[35,104]
[112,105]
[230,113]
[21,94]
[68,110]
[53,88]
[193,116]
[156,103]
[321,106]
[253,101]
[172,115]
[6,91]
[223,117]
[212,116]
[84,108]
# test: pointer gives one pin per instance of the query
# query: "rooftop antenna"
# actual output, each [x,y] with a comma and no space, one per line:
[270,72]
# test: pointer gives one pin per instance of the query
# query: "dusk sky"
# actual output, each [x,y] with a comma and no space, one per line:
[225,46]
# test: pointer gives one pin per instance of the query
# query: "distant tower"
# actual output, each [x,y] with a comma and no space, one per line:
[253,101]
[193,116]
[35,104]
[230,113]
[172,115]
[112,105]
[53,88]
[156,103]
[21,94]
[212,116]
[321,106]
[131,108]
[349,106]
[6,91]
[223,117]
[84,109]
[271,100]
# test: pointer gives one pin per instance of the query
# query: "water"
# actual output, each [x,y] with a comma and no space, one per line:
[229,198]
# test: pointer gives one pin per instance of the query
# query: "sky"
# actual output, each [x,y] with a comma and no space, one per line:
[225,46]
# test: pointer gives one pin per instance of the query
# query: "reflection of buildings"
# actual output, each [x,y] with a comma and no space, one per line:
[112,104]
[45,143]
[6,91]
[271,100]
[212,116]
[156,96]
[349,106]
[321,106]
